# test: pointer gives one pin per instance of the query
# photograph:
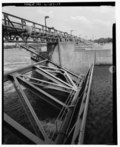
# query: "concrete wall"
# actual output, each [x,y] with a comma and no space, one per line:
[55,56]
[103,57]
[79,61]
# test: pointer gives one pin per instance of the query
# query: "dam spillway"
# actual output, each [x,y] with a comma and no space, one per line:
[51,94]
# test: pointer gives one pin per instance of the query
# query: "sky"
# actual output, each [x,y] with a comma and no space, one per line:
[86,22]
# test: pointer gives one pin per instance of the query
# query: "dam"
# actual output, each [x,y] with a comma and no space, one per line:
[53,100]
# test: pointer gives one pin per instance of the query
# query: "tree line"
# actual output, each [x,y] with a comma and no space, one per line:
[103,40]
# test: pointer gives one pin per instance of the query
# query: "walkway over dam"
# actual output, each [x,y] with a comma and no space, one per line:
[59,80]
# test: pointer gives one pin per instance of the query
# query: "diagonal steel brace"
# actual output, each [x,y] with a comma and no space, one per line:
[30,112]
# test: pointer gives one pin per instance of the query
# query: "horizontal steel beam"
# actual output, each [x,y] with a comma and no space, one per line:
[49,68]
[47,83]
[11,27]
[17,30]
[50,87]
[52,77]
[20,131]
[22,70]
[42,94]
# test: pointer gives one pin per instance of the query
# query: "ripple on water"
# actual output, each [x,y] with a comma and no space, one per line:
[99,125]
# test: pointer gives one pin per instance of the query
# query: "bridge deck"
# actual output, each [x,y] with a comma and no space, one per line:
[16,29]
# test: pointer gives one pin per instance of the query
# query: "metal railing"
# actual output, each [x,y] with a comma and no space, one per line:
[15,24]
[73,127]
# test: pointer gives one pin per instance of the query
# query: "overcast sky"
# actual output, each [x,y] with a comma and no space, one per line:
[88,22]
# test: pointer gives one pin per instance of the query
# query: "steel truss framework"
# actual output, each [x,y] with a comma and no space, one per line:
[72,109]
[56,86]
[16,29]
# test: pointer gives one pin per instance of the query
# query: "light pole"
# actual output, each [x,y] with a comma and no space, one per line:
[80,36]
[45,21]
[71,31]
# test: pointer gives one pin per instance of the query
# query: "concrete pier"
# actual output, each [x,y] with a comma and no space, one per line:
[80,60]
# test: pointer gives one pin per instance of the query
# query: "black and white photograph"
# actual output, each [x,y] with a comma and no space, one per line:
[59,73]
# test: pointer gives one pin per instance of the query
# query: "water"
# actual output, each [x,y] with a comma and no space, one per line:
[99,126]
[15,58]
